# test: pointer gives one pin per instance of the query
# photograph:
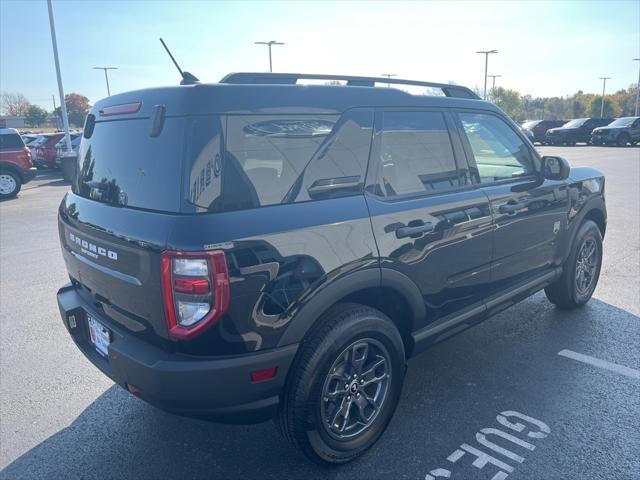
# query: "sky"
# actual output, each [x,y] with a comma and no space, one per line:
[546,48]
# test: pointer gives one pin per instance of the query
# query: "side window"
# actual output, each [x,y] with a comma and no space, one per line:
[11,140]
[499,153]
[415,154]
[338,167]
[636,124]
[267,155]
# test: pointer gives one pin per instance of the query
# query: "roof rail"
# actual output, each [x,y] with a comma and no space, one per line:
[292,78]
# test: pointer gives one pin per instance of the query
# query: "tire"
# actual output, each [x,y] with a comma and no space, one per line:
[315,394]
[622,140]
[10,184]
[565,292]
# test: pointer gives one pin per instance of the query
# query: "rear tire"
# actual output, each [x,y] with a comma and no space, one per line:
[10,184]
[580,271]
[333,422]
[622,140]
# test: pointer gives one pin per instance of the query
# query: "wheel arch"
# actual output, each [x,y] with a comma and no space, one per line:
[387,290]
[9,167]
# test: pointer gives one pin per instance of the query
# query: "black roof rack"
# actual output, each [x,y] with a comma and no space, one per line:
[292,78]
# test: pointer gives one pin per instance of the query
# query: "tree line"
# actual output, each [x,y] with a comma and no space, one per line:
[17,105]
[579,105]
[518,106]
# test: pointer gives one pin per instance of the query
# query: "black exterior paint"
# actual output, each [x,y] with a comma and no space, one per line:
[289,263]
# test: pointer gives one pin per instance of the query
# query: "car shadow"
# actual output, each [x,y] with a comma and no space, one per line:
[120,436]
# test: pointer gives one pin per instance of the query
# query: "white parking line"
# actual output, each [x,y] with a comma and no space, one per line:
[596,362]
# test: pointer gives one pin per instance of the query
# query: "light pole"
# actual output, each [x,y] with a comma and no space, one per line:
[63,105]
[637,89]
[106,77]
[486,54]
[389,75]
[269,44]
[604,84]
[493,84]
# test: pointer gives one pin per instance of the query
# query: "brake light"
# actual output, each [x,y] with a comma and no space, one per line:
[122,109]
[195,291]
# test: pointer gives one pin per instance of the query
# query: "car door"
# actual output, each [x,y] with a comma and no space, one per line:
[529,213]
[634,131]
[430,223]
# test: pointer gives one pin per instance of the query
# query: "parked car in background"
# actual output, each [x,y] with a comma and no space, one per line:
[46,151]
[16,166]
[574,131]
[538,128]
[619,132]
[27,138]
[61,148]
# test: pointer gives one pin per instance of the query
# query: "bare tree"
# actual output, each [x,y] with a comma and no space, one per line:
[14,104]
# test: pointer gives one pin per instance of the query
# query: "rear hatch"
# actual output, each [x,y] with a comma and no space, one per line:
[114,224]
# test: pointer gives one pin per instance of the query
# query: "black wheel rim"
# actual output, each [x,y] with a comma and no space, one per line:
[355,389]
[586,266]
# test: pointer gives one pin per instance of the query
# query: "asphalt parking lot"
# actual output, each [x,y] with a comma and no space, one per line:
[61,418]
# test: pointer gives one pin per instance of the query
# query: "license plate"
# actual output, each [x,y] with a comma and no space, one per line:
[99,336]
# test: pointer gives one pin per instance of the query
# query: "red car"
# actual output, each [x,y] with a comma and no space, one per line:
[538,128]
[16,166]
[46,152]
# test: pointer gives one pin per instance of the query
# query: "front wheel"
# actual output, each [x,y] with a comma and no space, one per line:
[10,184]
[580,271]
[344,386]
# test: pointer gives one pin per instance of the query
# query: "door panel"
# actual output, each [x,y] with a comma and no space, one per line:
[529,214]
[530,222]
[450,260]
[428,221]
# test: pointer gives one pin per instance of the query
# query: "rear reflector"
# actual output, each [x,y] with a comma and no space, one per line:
[194,286]
[122,109]
[133,390]
[264,374]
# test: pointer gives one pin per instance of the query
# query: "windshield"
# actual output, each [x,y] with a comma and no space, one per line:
[623,122]
[575,123]
[530,124]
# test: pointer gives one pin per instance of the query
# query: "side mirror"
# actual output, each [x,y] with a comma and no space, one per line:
[555,168]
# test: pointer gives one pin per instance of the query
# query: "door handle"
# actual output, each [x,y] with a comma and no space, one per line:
[404,232]
[511,207]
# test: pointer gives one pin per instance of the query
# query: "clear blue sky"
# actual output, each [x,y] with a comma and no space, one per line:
[546,48]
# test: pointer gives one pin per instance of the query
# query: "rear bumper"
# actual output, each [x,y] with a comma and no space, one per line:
[205,387]
[28,174]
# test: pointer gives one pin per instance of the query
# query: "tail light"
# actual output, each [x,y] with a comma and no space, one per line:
[195,291]
[27,156]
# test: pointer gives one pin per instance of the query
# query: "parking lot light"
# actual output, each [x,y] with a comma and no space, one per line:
[63,106]
[637,89]
[106,76]
[604,84]
[486,54]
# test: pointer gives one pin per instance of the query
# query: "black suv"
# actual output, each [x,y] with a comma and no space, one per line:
[258,248]
[574,131]
[620,132]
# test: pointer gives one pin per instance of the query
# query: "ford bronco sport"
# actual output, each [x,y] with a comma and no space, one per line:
[259,248]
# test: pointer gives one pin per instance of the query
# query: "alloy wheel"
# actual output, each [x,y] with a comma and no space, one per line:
[586,266]
[355,389]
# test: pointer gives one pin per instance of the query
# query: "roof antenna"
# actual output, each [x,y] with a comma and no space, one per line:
[187,78]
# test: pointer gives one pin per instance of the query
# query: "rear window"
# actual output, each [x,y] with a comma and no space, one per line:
[11,140]
[121,164]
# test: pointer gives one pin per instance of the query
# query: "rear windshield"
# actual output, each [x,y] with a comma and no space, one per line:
[121,164]
[11,140]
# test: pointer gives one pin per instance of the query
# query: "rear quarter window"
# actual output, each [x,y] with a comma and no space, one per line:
[250,161]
